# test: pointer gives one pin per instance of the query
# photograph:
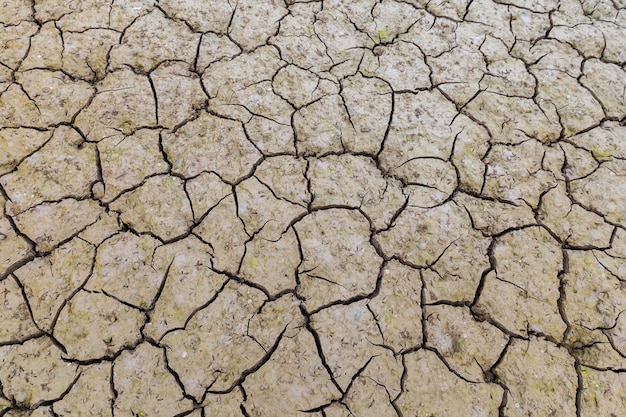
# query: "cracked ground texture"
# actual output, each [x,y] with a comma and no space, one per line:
[313,208]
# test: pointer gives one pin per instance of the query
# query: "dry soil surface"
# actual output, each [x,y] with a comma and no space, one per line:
[313,208]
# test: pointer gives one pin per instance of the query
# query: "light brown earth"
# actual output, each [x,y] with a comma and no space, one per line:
[313,208]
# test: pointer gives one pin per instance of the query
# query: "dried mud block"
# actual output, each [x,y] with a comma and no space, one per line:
[274,318]
[540,377]
[433,36]
[336,410]
[91,395]
[190,284]
[529,27]
[296,39]
[505,74]
[159,206]
[294,379]
[389,19]
[216,405]
[368,102]
[577,107]
[579,162]
[551,55]
[368,398]
[522,293]
[203,15]
[360,13]
[50,224]
[583,35]
[349,338]
[49,281]
[5,78]
[145,386]
[212,144]
[615,50]
[269,137]
[386,368]
[57,96]
[33,372]
[16,11]
[14,249]
[554,161]
[225,232]
[613,259]
[85,52]
[397,306]
[127,161]
[430,173]
[401,64]
[493,217]
[602,393]
[258,99]
[205,192]
[490,18]
[17,322]
[152,39]
[93,326]
[591,191]
[225,77]
[603,142]
[254,21]
[301,87]
[17,109]
[323,126]
[453,10]
[45,49]
[272,263]
[121,15]
[19,143]
[447,393]
[15,39]
[338,260]
[443,238]
[178,91]
[608,347]
[343,42]
[530,120]
[420,127]
[213,351]
[63,167]
[592,293]
[350,180]
[123,103]
[214,47]
[608,82]
[106,226]
[601,354]
[574,225]
[287,177]
[124,269]
[515,173]
[262,212]
[72,16]
[469,347]
[458,72]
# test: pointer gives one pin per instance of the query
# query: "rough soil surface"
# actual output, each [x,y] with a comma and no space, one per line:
[313,208]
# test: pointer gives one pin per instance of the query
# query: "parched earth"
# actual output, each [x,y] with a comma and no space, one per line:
[313,208]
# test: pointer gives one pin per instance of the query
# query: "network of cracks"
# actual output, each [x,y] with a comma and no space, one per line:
[316,208]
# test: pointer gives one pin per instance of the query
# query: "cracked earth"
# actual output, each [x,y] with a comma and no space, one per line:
[313,208]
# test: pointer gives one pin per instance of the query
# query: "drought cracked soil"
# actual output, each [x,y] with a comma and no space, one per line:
[313,208]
